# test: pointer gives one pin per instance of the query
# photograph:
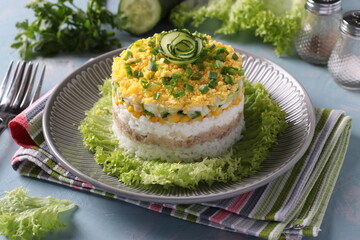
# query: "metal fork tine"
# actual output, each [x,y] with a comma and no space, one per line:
[5,81]
[14,84]
[23,88]
[38,88]
[7,87]
[26,99]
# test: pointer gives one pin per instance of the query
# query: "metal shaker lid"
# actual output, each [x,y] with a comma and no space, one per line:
[351,23]
[323,7]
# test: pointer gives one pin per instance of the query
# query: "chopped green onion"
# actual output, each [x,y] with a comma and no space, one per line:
[221,50]
[142,50]
[152,74]
[138,74]
[144,83]
[213,83]
[188,87]
[133,62]
[195,115]
[200,66]
[128,71]
[146,112]
[188,72]
[196,76]
[229,70]
[176,75]
[218,64]
[235,56]
[204,89]
[220,57]
[165,80]
[153,66]
[128,55]
[183,66]
[150,85]
[173,81]
[212,46]
[232,71]
[227,79]
[152,42]
[155,50]
[156,96]
[179,93]
[213,75]
[241,72]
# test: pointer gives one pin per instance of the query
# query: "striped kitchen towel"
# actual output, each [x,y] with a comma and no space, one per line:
[290,207]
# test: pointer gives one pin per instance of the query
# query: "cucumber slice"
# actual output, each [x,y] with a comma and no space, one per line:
[180,46]
[142,15]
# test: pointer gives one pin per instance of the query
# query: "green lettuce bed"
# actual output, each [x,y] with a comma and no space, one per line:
[264,121]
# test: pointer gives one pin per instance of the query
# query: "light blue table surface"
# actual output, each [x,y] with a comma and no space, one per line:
[102,218]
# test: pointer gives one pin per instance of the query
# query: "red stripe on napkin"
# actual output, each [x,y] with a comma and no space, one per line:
[219,216]
[239,202]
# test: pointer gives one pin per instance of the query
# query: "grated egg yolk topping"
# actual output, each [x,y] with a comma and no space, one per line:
[142,76]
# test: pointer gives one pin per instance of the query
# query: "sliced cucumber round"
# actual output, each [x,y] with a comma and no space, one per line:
[142,15]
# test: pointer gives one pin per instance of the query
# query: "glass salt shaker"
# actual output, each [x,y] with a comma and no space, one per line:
[344,62]
[320,28]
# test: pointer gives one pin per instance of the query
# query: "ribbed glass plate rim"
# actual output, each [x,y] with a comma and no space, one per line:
[235,189]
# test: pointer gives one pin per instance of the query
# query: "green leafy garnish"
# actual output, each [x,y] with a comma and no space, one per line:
[64,27]
[26,217]
[264,121]
[276,21]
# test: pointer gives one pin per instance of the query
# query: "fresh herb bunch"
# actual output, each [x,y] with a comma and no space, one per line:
[64,27]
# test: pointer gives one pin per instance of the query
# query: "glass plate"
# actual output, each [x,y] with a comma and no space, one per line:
[79,91]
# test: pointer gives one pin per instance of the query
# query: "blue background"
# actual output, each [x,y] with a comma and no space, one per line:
[102,218]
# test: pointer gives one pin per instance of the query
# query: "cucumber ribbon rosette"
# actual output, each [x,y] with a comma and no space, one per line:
[181,47]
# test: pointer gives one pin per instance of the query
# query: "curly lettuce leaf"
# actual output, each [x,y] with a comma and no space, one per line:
[27,217]
[264,121]
[275,21]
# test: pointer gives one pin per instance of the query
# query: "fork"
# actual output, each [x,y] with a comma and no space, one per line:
[16,90]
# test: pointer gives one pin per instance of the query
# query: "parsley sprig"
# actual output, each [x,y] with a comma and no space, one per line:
[64,27]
